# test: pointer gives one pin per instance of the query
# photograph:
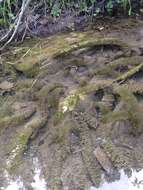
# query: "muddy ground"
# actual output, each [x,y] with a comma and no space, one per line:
[73,104]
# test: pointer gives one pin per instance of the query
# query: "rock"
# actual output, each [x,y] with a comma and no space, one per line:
[103,160]
[5,85]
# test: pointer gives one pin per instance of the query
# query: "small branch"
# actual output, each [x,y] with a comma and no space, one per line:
[24,6]
[129,73]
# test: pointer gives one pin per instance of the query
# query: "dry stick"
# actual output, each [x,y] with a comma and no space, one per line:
[8,33]
[25,4]
[124,77]
[23,8]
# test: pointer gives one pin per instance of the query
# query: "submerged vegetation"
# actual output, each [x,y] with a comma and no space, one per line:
[127,109]
[74,100]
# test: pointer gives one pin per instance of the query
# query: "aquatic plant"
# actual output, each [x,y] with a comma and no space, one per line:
[130,110]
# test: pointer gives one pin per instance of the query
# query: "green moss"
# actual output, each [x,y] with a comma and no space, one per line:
[6,110]
[65,105]
[28,69]
[48,97]
[103,108]
[47,89]
[7,69]
[64,130]
[125,61]
[131,110]
[114,116]
[83,82]
[24,84]
[111,68]
[53,99]
[57,118]
[14,159]
[69,103]
[130,73]
[134,86]
[17,119]
[30,62]
[91,42]
[132,107]
[95,86]
[106,71]
[21,140]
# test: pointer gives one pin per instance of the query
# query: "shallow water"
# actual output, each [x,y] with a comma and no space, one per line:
[135,182]
[62,111]
[13,184]
[38,183]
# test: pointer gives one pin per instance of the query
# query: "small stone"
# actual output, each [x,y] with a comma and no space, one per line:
[5,85]
[100,28]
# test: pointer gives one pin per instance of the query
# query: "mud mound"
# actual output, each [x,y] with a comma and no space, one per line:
[80,115]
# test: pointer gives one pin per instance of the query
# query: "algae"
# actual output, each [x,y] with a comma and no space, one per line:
[21,141]
[17,119]
[91,166]
[70,101]
[71,116]
[130,73]
[53,47]
[133,109]
[130,110]
[27,69]
[118,66]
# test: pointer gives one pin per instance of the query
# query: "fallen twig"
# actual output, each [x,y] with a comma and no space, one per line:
[129,73]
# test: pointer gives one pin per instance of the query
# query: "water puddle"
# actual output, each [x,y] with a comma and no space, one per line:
[135,182]
[38,183]
[13,185]
[16,185]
